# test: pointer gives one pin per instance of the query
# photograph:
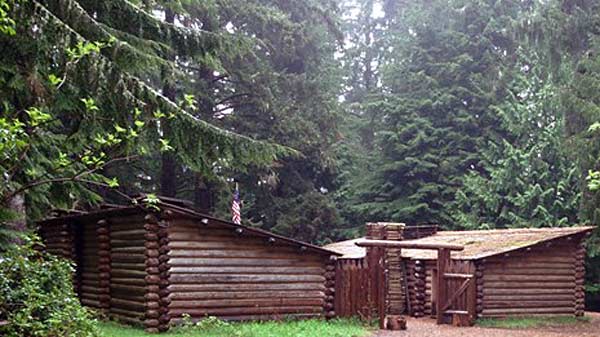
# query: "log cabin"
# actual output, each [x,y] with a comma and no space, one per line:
[515,272]
[150,267]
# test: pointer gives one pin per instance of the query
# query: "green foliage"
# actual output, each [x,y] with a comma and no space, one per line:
[526,179]
[213,327]
[7,23]
[36,296]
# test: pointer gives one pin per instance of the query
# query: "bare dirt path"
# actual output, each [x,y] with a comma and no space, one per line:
[425,327]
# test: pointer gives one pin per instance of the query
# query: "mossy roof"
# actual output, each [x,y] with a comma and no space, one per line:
[478,244]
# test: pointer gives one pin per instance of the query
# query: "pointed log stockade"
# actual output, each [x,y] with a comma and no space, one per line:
[499,273]
[148,268]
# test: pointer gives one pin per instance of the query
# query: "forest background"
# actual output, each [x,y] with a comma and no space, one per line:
[470,114]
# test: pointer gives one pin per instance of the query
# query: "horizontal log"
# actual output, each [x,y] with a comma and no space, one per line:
[129,250]
[91,283]
[89,289]
[247,310]
[262,253]
[125,319]
[244,295]
[133,297]
[217,245]
[308,286]
[128,266]
[525,285]
[117,243]
[532,291]
[91,275]
[541,278]
[487,304]
[528,297]
[128,234]
[115,287]
[127,258]
[240,303]
[537,259]
[127,313]
[525,271]
[125,273]
[127,304]
[243,261]
[249,270]
[266,317]
[534,265]
[527,311]
[128,281]
[90,303]
[239,278]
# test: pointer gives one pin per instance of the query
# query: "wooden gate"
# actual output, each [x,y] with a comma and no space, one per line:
[353,296]
[453,288]
[455,293]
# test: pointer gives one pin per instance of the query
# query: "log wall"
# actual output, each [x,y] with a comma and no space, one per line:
[61,239]
[88,267]
[235,275]
[396,299]
[127,260]
[419,299]
[540,280]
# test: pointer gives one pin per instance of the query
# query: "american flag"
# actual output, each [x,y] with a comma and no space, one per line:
[236,215]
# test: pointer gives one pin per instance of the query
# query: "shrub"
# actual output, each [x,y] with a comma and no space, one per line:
[37,297]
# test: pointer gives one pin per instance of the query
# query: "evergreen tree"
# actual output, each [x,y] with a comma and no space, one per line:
[528,178]
[78,92]
[443,71]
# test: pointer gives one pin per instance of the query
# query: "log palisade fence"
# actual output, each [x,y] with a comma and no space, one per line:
[499,273]
[149,268]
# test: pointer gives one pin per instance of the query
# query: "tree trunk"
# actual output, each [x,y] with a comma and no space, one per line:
[203,200]
[19,224]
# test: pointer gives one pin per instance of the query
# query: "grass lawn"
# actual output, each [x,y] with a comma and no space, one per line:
[215,328]
[530,322]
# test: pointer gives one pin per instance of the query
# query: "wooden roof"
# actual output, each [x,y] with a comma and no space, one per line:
[478,244]
[106,213]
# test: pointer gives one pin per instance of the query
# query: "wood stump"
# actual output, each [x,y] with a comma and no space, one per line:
[395,322]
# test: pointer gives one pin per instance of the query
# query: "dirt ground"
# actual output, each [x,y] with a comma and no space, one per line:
[425,327]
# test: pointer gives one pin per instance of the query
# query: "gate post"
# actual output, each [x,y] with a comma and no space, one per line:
[442,293]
